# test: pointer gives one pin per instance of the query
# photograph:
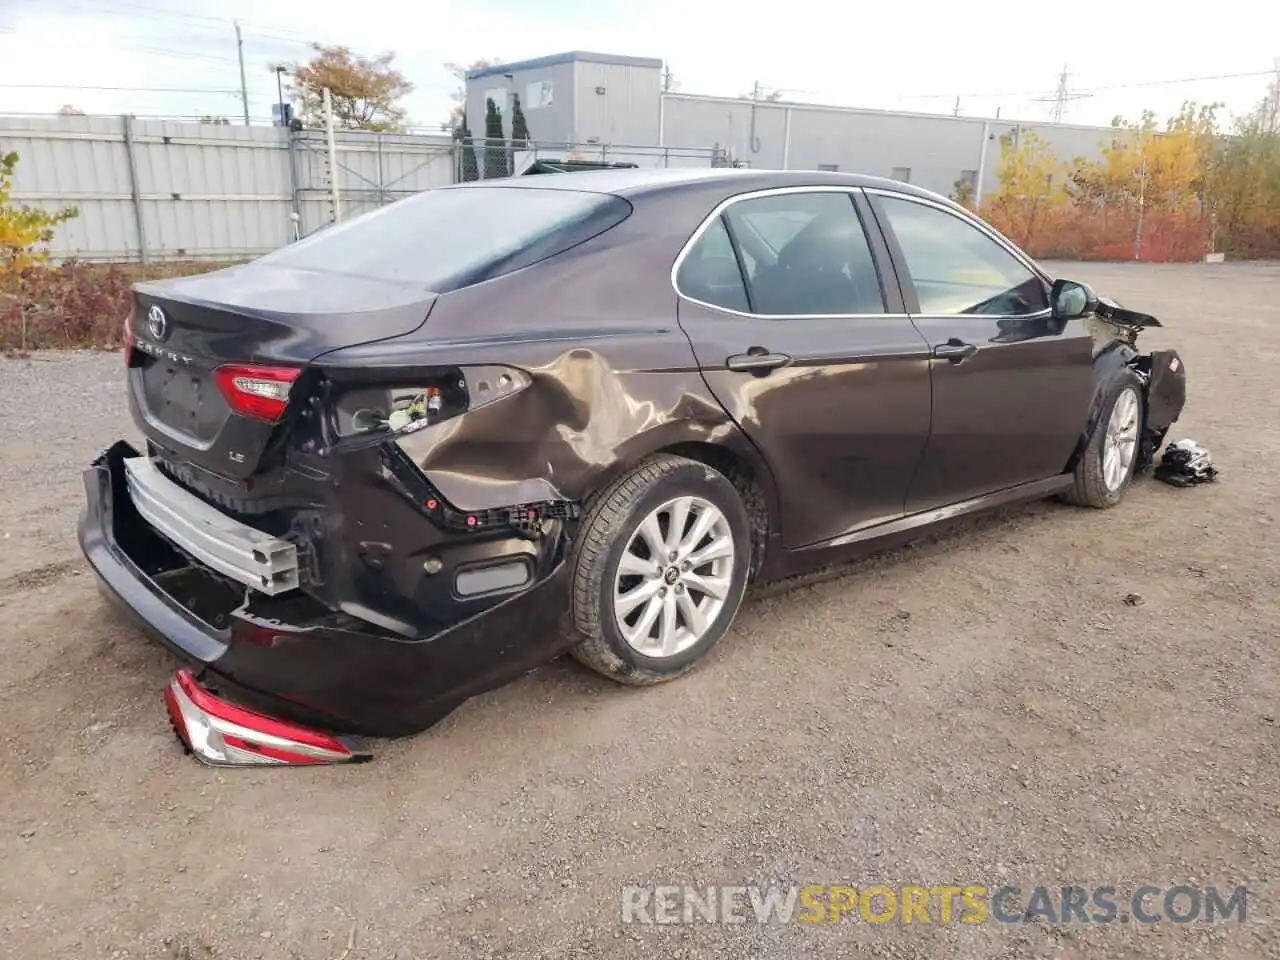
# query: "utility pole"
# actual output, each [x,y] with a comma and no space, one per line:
[1142,197]
[244,87]
[753,142]
[981,174]
[1062,96]
[279,70]
[1275,98]
[334,199]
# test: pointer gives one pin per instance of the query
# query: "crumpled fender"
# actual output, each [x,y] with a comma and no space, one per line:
[565,434]
[590,411]
[1163,377]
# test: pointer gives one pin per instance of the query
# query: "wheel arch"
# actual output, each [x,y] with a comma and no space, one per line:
[724,449]
[1117,357]
[753,482]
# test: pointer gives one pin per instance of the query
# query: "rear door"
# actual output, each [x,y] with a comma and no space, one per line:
[805,344]
[1011,385]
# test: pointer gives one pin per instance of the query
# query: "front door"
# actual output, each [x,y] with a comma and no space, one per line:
[1011,385]
[811,354]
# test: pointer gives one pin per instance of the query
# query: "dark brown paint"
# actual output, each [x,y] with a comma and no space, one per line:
[864,436]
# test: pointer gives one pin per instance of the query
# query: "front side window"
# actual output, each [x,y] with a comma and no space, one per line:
[958,269]
[805,254]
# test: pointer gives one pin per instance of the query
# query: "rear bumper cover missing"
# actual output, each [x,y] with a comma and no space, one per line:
[235,550]
[328,672]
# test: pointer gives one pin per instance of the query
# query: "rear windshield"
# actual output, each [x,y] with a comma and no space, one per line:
[449,238]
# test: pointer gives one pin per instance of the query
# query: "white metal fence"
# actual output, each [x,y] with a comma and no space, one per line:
[159,189]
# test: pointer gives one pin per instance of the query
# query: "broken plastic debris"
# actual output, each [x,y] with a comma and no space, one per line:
[1186,463]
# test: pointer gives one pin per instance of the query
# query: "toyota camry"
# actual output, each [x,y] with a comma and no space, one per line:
[419,453]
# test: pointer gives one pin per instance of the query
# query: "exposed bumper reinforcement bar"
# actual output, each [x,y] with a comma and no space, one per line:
[234,549]
[322,672]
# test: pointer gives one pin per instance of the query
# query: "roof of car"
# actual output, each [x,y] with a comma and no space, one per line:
[632,182]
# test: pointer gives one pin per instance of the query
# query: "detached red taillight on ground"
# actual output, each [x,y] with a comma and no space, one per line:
[223,734]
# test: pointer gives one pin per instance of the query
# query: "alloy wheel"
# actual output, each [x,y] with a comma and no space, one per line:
[1121,441]
[673,577]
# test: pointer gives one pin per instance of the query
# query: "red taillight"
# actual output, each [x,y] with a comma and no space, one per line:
[258,392]
[219,732]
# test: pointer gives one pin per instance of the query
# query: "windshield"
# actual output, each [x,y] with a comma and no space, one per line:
[449,238]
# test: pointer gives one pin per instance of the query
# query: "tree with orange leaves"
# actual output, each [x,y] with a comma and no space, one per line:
[364,90]
[1032,188]
[1163,170]
[1245,183]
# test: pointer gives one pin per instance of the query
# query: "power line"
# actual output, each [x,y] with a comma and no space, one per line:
[81,86]
[164,12]
[1158,83]
[1113,86]
[178,54]
[192,21]
[137,115]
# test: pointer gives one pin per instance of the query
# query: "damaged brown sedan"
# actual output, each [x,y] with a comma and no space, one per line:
[417,454]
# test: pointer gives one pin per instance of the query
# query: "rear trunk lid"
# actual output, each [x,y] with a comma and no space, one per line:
[181,331]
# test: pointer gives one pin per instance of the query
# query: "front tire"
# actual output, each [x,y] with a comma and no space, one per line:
[660,568]
[1106,467]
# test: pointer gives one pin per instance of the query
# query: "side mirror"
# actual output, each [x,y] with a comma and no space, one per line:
[1070,299]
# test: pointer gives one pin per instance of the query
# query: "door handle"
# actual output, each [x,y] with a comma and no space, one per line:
[954,350]
[757,360]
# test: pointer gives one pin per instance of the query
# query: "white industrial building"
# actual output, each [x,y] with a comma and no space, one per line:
[617,104]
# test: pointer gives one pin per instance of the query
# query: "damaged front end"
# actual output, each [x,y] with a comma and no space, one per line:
[1115,331]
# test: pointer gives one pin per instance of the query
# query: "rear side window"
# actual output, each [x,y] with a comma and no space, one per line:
[450,238]
[806,255]
[710,271]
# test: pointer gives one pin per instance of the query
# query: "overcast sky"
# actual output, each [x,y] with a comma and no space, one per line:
[898,56]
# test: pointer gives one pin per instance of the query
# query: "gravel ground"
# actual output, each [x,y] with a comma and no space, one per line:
[984,708]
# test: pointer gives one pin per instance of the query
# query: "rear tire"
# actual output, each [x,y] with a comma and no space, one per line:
[642,615]
[1106,467]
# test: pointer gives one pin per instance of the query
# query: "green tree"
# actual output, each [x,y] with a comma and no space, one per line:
[495,142]
[1244,184]
[465,144]
[365,90]
[519,126]
[962,191]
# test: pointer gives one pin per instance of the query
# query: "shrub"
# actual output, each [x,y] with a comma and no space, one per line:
[24,231]
[74,304]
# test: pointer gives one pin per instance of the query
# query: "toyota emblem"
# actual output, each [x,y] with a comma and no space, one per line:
[157,323]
